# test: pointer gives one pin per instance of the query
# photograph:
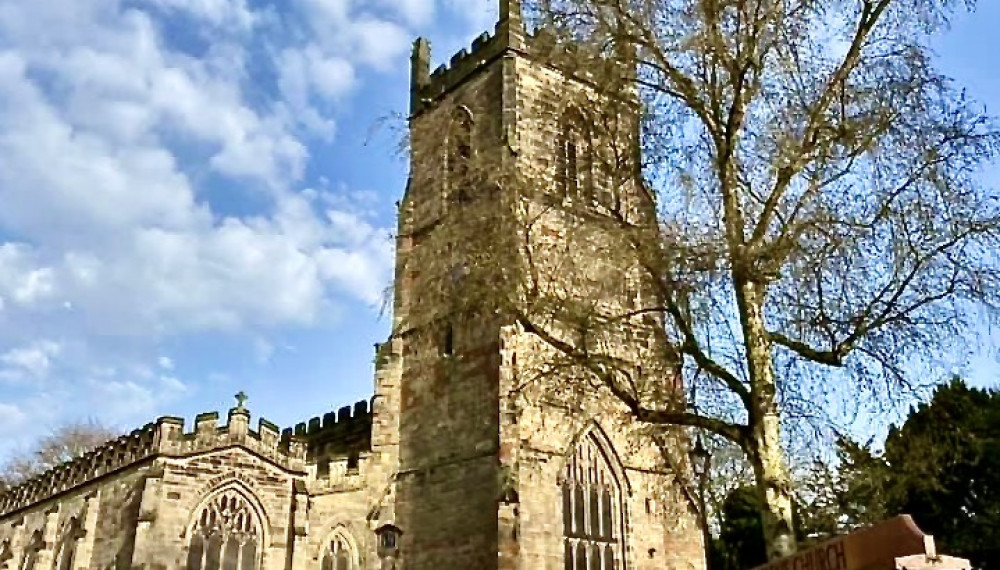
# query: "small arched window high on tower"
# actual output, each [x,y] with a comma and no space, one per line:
[593,513]
[575,158]
[226,535]
[459,157]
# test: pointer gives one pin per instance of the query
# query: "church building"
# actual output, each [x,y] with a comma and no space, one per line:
[461,459]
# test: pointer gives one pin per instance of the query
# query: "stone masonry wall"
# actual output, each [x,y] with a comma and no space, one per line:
[106,511]
[662,530]
[446,487]
[459,450]
[139,515]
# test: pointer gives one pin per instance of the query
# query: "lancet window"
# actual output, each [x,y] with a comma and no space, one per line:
[338,555]
[592,508]
[226,535]
[459,156]
[575,158]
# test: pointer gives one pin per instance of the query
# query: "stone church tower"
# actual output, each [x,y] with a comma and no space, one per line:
[493,473]
[482,448]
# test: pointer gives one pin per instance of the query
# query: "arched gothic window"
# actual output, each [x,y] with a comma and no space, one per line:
[338,553]
[226,535]
[29,561]
[459,156]
[68,541]
[575,158]
[593,516]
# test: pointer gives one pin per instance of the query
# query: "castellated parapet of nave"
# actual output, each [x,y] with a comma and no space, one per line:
[457,463]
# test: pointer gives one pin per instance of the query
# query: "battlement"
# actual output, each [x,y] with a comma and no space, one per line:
[426,86]
[165,437]
[267,441]
[344,433]
[509,35]
[108,458]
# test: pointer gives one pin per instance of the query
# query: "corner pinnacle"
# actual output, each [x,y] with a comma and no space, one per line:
[510,10]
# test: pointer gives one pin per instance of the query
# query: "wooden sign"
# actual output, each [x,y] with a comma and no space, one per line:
[895,544]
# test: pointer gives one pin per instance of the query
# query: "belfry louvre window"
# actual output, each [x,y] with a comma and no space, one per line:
[459,156]
[592,508]
[339,555]
[226,535]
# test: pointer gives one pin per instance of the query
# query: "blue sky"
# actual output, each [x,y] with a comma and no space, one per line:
[196,198]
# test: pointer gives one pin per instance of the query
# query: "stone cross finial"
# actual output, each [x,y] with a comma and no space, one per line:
[241,399]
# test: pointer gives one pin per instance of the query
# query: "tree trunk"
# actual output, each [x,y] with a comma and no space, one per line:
[766,452]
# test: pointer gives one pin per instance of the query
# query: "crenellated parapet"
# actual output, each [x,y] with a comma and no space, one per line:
[427,87]
[542,45]
[166,437]
[266,441]
[108,458]
[340,434]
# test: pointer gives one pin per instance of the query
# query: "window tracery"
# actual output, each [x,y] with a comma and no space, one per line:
[593,514]
[338,553]
[226,535]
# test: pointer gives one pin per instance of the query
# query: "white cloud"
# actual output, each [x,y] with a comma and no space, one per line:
[139,92]
[124,399]
[173,385]
[221,13]
[32,361]
[131,398]
[113,230]
[370,40]
[414,12]
[380,43]
[151,189]
[306,75]
[22,280]
[59,182]
[12,419]
[332,77]
[355,271]
[231,275]
[322,13]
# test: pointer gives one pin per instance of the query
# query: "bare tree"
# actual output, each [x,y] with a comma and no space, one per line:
[818,201]
[804,216]
[61,445]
